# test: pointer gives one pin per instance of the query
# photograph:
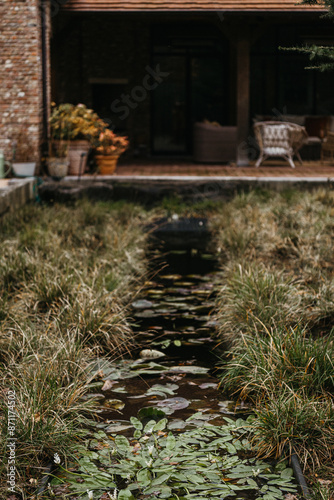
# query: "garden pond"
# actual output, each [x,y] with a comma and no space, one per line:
[164,429]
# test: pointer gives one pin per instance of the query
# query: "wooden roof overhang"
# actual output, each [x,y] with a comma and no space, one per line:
[190,6]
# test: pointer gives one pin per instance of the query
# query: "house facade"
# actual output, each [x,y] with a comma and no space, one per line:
[153,68]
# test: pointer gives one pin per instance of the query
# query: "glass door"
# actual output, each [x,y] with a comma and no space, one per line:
[195,58]
[169,107]
[207,89]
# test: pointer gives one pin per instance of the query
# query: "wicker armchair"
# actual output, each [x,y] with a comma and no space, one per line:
[279,139]
[327,147]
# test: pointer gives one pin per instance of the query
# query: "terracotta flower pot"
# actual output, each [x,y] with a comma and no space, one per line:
[106,163]
[78,154]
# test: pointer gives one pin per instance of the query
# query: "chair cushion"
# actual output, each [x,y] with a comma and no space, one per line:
[276,137]
[276,151]
[313,140]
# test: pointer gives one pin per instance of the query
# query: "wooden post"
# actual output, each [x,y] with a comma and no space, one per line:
[243,91]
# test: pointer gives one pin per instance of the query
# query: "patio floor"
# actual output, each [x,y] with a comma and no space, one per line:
[270,168]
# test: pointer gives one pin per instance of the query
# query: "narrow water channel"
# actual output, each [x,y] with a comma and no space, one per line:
[165,430]
[173,369]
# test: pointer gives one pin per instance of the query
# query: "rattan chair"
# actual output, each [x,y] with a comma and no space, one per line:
[327,147]
[279,139]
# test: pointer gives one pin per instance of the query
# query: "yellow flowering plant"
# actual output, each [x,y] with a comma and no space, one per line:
[74,122]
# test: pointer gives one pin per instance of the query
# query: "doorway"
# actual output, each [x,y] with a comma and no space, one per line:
[194,90]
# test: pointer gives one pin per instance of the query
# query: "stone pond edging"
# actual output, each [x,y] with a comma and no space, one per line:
[154,188]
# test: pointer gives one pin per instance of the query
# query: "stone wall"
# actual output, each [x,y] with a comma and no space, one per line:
[21,96]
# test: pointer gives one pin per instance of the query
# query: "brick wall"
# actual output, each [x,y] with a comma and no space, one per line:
[21,101]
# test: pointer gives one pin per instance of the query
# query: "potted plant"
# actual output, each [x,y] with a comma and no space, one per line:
[58,160]
[24,161]
[78,125]
[108,148]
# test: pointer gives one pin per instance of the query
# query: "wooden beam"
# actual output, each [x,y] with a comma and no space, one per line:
[243,91]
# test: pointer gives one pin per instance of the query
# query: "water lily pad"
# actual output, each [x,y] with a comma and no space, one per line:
[155,292]
[120,390]
[195,341]
[166,311]
[147,313]
[203,331]
[208,385]
[162,390]
[151,412]
[194,370]
[140,368]
[114,404]
[93,396]
[171,277]
[151,354]
[174,403]
[200,416]
[179,291]
[142,304]
[178,300]
[115,428]
[176,424]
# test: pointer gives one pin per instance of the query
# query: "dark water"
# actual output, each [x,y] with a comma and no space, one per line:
[172,315]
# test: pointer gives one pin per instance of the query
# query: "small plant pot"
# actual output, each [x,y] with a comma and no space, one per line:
[24,169]
[58,167]
[78,155]
[106,163]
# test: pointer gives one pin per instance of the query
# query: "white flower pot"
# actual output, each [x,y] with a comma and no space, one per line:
[24,169]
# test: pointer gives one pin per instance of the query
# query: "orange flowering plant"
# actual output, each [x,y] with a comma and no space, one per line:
[109,143]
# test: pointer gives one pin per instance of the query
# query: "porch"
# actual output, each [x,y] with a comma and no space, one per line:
[154,75]
[186,168]
[149,182]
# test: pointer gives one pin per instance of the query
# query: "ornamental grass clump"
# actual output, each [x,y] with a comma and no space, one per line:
[252,294]
[46,372]
[268,359]
[67,277]
[275,314]
[291,229]
[295,421]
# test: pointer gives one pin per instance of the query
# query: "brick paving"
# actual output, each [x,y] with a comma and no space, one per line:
[270,168]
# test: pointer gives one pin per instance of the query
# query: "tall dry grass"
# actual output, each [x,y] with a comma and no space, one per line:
[67,277]
[275,315]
